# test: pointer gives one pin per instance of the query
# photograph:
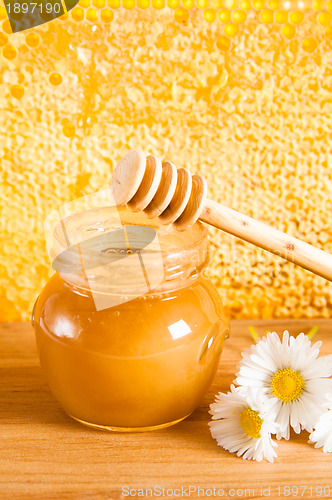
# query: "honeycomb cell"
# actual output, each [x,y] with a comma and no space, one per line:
[309,44]
[274,4]
[181,15]
[158,4]
[281,17]
[231,29]
[223,43]
[230,4]
[215,4]
[32,40]
[318,4]
[9,52]
[143,4]
[203,4]
[17,91]
[114,4]
[288,30]
[6,27]
[266,16]
[245,4]
[325,18]
[99,4]
[328,32]
[258,4]
[224,15]
[55,79]
[107,15]
[236,306]
[69,130]
[64,17]
[77,14]
[173,4]
[3,39]
[84,3]
[91,15]
[239,16]
[128,4]
[296,17]
[210,15]
[3,13]
[329,5]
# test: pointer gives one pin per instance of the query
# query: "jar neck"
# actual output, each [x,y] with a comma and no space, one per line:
[116,252]
[185,266]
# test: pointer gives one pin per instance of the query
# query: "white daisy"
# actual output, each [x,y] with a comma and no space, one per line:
[288,374]
[240,425]
[322,434]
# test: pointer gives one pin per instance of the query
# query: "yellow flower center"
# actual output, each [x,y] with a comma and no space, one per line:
[287,385]
[251,422]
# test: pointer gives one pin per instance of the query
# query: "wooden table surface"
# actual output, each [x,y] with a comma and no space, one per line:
[45,454]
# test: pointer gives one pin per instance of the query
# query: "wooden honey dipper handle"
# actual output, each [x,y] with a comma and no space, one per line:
[262,235]
[179,198]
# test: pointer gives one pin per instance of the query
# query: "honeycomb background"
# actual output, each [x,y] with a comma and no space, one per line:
[239,91]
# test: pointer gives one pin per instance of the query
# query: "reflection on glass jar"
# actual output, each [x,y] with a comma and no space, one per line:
[147,360]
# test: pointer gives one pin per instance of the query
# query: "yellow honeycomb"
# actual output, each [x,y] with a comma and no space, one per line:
[78,14]
[239,16]
[106,15]
[55,79]
[289,31]
[267,16]
[224,15]
[173,4]
[281,16]
[237,90]
[32,39]
[3,39]
[181,15]
[143,4]
[202,4]
[210,15]
[274,4]
[296,17]
[245,4]
[9,52]
[189,4]
[223,43]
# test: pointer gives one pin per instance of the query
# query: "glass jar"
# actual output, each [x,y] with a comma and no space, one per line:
[116,355]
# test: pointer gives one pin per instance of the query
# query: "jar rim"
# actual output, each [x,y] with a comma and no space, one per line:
[101,236]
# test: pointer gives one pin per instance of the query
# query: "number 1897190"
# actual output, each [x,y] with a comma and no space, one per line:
[24,8]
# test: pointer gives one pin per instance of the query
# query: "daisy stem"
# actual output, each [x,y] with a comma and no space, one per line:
[253,332]
[312,332]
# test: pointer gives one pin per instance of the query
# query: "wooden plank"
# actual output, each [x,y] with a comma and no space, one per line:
[44,454]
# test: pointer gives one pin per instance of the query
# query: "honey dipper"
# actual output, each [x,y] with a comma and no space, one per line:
[178,197]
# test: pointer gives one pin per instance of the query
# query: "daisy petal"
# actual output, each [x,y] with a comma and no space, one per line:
[290,376]
[322,435]
[244,429]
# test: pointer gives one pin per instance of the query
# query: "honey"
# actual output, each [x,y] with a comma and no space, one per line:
[144,363]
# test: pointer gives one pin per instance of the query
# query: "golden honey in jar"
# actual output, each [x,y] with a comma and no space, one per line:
[129,335]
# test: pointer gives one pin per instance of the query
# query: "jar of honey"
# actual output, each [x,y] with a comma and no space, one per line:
[129,335]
